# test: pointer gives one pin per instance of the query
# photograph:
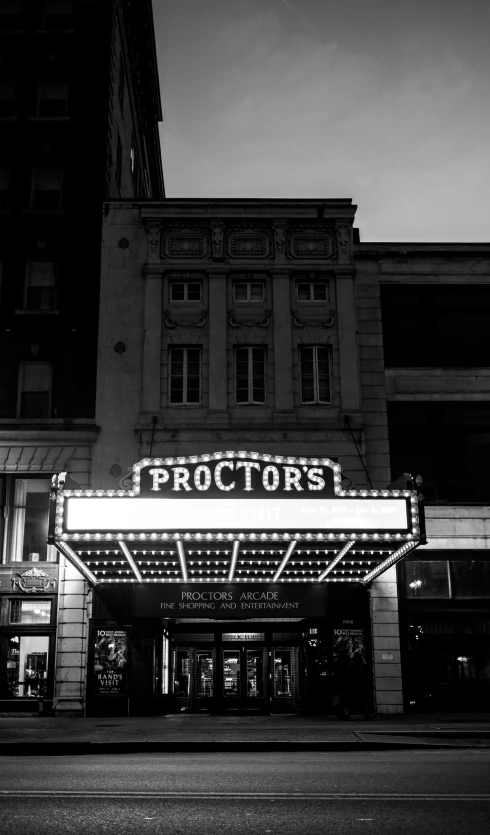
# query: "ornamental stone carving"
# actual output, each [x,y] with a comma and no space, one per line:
[153,230]
[279,236]
[311,243]
[217,239]
[344,238]
[249,243]
[185,242]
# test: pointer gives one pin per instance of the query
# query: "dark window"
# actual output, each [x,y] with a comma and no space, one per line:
[249,291]
[57,15]
[8,98]
[315,374]
[4,188]
[35,390]
[470,578]
[185,376]
[185,291]
[118,162]
[40,285]
[52,98]
[28,520]
[10,15]
[250,375]
[426,578]
[312,291]
[448,444]
[435,325]
[47,187]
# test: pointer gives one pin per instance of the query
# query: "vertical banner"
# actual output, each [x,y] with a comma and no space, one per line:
[110,662]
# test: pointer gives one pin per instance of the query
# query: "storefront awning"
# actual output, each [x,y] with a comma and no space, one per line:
[234,517]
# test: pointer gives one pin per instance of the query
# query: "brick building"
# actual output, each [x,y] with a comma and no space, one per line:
[69,140]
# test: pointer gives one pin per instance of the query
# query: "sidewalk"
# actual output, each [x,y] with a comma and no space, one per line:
[28,735]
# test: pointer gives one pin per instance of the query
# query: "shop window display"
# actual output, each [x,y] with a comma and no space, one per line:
[27,666]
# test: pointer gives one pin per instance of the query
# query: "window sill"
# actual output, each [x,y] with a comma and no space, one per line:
[34,312]
[43,211]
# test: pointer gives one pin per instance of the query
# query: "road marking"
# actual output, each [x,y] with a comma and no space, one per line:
[250,795]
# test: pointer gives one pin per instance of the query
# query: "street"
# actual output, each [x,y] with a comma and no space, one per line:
[405,791]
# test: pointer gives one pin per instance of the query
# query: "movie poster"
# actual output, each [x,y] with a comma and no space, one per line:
[110,662]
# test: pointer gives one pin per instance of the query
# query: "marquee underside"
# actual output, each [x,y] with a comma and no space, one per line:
[176,562]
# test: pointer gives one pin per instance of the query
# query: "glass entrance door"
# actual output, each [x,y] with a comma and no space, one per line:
[243,676]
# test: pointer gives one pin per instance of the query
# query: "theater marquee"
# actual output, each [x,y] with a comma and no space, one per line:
[235,517]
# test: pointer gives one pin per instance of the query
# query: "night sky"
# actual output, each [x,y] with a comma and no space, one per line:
[383,101]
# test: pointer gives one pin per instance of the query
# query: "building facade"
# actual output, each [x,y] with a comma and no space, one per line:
[69,140]
[236,325]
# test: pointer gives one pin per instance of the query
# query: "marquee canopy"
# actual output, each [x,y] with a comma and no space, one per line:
[233,517]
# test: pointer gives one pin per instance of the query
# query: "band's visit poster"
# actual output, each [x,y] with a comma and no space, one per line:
[110,662]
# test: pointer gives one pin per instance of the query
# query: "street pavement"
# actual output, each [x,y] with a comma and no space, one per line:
[204,732]
[441,792]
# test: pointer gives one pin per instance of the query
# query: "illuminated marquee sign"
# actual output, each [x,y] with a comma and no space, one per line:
[234,492]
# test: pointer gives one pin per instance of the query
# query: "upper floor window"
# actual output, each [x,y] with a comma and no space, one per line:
[57,15]
[119,162]
[312,291]
[447,443]
[315,374]
[453,578]
[11,15]
[47,184]
[26,532]
[4,188]
[8,98]
[442,325]
[185,291]
[248,291]
[185,376]
[35,384]
[250,375]
[52,98]
[40,292]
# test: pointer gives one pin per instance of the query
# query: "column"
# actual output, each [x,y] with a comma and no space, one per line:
[283,347]
[71,649]
[152,339]
[217,347]
[349,362]
[386,643]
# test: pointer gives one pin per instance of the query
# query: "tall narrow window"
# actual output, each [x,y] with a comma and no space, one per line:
[47,187]
[29,521]
[315,371]
[185,376]
[118,162]
[8,94]
[250,375]
[4,188]
[40,285]
[34,390]
[52,98]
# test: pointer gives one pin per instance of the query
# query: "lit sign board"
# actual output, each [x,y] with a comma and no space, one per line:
[237,494]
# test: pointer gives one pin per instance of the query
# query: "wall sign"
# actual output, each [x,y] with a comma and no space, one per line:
[110,662]
[244,600]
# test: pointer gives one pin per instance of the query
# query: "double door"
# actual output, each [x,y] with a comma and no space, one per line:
[244,670]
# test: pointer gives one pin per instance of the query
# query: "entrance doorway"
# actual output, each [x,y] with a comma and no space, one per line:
[243,677]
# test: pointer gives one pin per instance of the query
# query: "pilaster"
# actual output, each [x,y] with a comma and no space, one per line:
[217,347]
[283,346]
[348,355]
[152,323]
[71,648]
[388,690]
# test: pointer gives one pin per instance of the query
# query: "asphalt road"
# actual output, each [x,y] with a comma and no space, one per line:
[195,794]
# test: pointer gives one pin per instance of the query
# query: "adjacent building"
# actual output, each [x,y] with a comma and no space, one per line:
[68,140]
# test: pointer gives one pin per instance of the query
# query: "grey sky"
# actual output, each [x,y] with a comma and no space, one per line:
[383,101]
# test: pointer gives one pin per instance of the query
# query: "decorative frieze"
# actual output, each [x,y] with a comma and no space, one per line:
[249,243]
[185,242]
[263,322]
[300,322]
[344,241]
[171,323]
[313,242]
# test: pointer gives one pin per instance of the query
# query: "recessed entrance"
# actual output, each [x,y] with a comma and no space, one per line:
[243,677]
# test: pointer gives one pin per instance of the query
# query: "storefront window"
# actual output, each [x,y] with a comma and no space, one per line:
[470,578]
[204,675]
[282,673]
[30,611]
[426,579]
[182,673]
[27,666]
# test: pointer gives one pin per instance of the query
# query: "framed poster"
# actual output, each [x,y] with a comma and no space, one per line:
[110,662]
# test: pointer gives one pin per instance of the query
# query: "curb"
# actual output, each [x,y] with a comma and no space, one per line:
[68,749]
